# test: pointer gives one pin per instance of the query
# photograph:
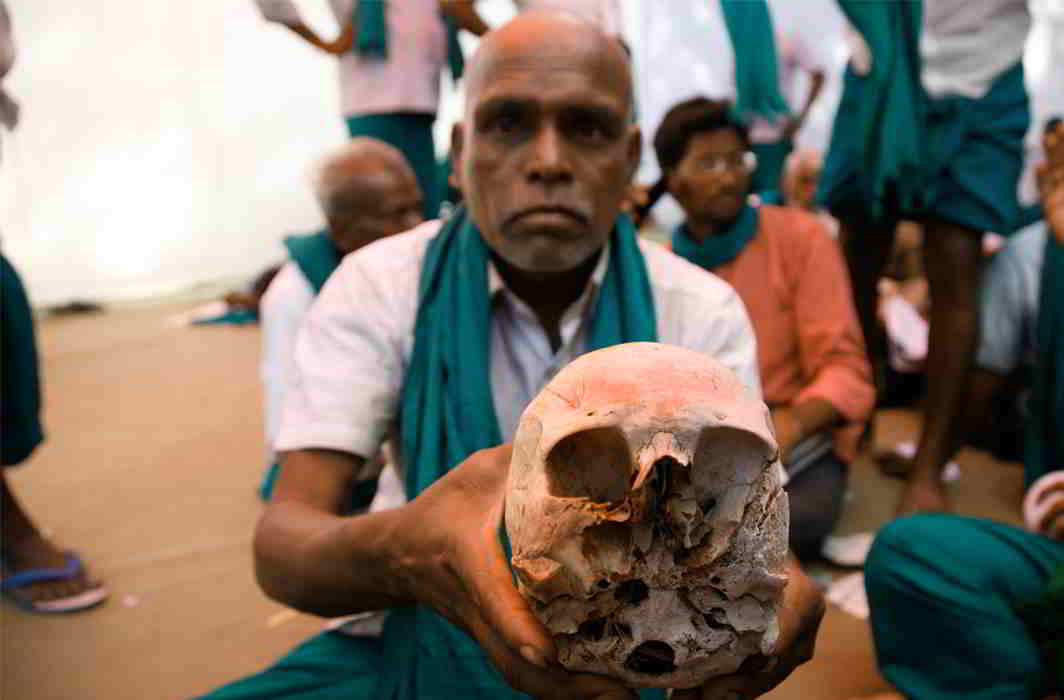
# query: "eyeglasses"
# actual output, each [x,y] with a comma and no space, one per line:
[718,165]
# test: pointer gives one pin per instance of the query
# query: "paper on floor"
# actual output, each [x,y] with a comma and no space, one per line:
[848,593]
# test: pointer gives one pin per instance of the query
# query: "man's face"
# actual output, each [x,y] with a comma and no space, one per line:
[546,153]
[376,206]
[712,180]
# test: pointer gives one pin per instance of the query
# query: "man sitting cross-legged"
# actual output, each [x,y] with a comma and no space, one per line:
[440,336]
[367,191]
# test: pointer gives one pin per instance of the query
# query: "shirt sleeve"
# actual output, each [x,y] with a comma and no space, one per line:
[344,392]
[284,306]
[830,341]
[282,11]
[1001,315]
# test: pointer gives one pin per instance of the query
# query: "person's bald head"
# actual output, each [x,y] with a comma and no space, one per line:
[367,191]
[800,176]
[547,146]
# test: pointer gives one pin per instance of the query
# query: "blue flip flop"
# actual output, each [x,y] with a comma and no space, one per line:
[86,599]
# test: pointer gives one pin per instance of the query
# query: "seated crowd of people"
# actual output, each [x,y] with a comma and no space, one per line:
[400,349]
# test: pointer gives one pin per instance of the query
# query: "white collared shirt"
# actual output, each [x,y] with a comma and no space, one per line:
[355,344]
[408,80]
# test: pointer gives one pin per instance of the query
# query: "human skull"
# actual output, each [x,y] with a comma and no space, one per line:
[646,515]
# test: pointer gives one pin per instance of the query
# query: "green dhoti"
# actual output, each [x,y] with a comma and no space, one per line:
[20,392]
[411,133]
[332,665]
[972,158]
[944,593]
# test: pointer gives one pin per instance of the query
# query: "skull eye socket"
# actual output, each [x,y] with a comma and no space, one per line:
[595,464]
[726,456]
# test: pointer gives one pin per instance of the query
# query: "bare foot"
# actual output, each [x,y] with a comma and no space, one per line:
[36,552]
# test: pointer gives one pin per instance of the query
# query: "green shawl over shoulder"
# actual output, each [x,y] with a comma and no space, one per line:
[447,412]
[753,41]
[315,255]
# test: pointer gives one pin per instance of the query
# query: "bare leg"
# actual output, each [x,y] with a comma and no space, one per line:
[24,548]
[953,261]
[867,250]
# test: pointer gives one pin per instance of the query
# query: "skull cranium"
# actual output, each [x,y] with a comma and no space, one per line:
[646,515]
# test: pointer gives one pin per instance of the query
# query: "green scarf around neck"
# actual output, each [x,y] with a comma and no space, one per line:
[720,248]
[447,412]
[371,34]
[1044,448]
[753,41]
[315,255]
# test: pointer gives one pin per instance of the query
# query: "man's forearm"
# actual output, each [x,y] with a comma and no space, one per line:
[326,564]
[815,415]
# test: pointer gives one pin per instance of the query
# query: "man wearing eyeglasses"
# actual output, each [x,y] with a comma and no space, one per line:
[790,274]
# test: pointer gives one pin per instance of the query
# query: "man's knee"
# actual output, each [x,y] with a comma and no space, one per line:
[899,552]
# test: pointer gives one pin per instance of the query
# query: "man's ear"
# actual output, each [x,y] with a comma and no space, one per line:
[635,150]
[457,151]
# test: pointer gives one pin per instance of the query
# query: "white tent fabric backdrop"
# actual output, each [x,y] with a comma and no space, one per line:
[167,145]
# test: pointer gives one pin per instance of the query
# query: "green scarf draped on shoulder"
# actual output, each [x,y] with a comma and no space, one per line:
[887,106]
[447,412]
[371,34]
[315,255]
[753,41]
[1044,448]
[721,248]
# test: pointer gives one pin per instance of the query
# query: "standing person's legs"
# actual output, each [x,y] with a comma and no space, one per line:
[411,133]
[943,593]
[953,261]
[815,495]
[36,574]
[867,249]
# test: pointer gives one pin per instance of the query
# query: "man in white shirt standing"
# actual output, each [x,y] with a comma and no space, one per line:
[367,191]
[439,337]
[391,54]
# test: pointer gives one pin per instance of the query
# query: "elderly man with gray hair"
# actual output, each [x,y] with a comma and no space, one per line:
[367,191]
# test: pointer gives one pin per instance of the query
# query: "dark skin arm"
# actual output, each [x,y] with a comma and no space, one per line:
[464,12]
[795,423]
[441,549]
[342,44]
[815,87]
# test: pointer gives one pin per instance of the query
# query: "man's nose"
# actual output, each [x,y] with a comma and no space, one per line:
[549,162]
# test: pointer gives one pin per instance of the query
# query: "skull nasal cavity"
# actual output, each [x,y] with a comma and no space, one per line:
[594,464]
[652,658]
[632,592]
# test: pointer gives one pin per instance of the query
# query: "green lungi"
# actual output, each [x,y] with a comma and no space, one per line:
[771,157]
[411,133]
[20,389]
[332,665]
[973,160]
[944,593]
